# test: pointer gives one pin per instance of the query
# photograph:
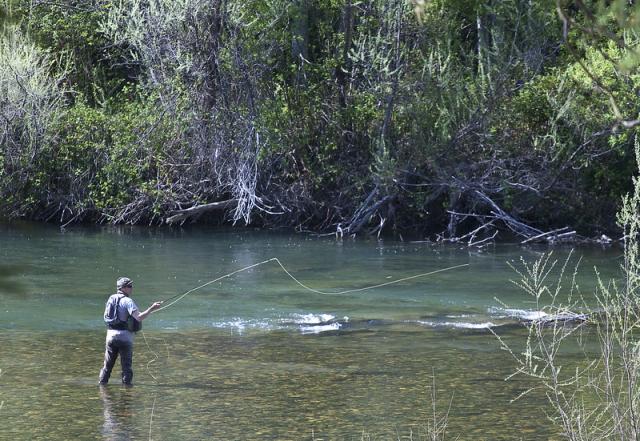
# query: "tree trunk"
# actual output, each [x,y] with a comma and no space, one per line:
[300,38]
[343,71]
[198,210]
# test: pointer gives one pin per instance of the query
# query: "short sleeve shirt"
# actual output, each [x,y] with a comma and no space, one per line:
[125,309]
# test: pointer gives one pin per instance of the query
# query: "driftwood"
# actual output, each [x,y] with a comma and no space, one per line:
[513,224]
[527,232]
[471,235]
[484,241]
[198,210]
[547,235]
[363,215]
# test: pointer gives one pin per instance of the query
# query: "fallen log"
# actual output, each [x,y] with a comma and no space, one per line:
[545,235]
[198,210]
[562,236]
[483,241]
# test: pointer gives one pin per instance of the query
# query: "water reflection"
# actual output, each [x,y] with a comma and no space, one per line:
[118,405]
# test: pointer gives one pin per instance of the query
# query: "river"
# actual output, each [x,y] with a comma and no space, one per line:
[256,355]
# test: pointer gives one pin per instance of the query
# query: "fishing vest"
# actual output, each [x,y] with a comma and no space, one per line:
[112,319]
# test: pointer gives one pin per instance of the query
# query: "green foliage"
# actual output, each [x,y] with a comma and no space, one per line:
[314,105]
[101,159]
[97,69]
[596,396]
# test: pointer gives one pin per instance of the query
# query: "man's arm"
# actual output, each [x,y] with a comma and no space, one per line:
[144,314]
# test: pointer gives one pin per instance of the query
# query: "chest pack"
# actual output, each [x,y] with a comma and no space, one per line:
[113,321]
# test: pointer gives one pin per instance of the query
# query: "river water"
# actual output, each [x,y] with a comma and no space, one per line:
[257,356]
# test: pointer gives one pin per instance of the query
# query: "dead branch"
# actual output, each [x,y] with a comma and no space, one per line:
[365,215]
[515,225]
[483,241]
[544,235]
[471,234]
[198,210]
[563,235]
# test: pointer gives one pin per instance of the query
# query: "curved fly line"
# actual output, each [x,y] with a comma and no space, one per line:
[175,299]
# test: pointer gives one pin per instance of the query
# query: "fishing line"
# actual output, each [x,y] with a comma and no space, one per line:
[155,357]
[153,408]
[366,287]
[179,297]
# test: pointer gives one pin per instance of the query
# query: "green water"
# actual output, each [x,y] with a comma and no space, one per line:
[255,356]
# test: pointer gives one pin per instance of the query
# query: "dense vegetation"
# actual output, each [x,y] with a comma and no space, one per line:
[434,118]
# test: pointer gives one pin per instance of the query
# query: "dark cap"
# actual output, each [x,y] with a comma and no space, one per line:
[124,282]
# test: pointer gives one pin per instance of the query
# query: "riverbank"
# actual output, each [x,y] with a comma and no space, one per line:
[380,119]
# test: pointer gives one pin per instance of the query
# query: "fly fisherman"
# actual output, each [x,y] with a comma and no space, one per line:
[123,319]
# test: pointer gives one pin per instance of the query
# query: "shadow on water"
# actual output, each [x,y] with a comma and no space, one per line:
[8,282]
[118,412]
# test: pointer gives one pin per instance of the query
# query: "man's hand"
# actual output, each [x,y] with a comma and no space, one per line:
[143,315]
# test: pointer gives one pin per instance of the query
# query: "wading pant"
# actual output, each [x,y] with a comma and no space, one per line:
[113,348]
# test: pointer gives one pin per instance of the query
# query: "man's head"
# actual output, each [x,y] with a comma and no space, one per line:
[124,283]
